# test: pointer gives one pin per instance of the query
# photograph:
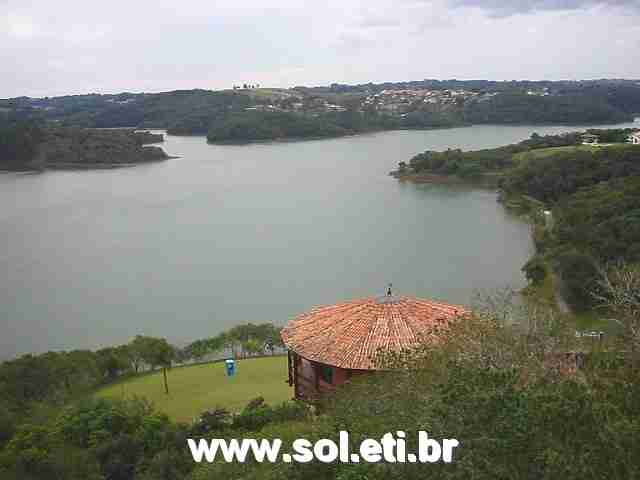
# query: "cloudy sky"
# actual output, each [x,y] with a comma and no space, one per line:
[54,47]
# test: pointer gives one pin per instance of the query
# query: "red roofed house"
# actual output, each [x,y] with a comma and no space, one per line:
[331,344]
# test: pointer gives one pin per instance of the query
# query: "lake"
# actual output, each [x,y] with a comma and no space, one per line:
[187,248]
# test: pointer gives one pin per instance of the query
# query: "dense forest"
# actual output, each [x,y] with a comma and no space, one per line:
[595,199]
[31,145]
[516,108]
[19,143]
[249,126]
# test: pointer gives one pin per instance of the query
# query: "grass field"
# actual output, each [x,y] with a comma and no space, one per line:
[196,388]
[547,152]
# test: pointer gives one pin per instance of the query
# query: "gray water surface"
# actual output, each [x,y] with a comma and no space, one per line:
[227,234]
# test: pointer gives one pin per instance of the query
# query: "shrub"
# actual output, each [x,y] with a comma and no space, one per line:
[535,270]
[257,414]
[211,421]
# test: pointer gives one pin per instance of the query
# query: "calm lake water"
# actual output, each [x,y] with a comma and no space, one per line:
[227,234]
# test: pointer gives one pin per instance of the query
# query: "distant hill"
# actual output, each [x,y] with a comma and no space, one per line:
[339,109]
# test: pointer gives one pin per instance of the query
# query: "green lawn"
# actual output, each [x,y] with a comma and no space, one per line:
[194,389]
[547,152]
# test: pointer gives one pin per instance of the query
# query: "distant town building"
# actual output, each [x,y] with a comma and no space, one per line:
[589,139]
[635,138]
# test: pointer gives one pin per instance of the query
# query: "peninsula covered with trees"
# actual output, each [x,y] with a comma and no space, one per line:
[32,145]
[591,195]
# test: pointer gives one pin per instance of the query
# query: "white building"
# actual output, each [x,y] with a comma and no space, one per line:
[589,139]
[635,138]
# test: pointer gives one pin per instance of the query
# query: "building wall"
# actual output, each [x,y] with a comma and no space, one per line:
[304,378]
[307,379]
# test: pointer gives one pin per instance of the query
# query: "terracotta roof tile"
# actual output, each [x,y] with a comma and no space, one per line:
[348,335]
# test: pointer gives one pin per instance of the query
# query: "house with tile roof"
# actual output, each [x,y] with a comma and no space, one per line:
[331,344]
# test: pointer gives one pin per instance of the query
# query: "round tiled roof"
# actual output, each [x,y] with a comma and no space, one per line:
[348,335]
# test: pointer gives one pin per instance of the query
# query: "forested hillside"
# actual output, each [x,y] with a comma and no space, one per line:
[593,193]
[234,115]
[595,199]
[516,108]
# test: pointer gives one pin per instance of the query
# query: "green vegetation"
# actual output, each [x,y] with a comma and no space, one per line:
[19,142]
[595,198]
[509,392]
[550,151]
[592,191]
[89,415]
[518,108]
[31,145]
[102,439]
[244,114]
[249,126]
[194,389]
[550,176]
[256,125]
[481,162]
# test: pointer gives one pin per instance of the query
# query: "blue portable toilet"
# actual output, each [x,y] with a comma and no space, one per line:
[230,366]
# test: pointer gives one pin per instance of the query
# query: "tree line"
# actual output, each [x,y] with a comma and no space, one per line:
[473,163]
[56,377]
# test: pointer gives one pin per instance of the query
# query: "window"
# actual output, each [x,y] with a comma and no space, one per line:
[326,373]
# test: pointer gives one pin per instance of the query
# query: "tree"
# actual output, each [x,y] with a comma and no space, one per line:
[580,276]
[111,363]
[252,347]
[535,270]
[152,351]
[619,294]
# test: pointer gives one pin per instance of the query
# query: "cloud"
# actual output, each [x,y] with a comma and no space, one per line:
[66,46]
[501,8]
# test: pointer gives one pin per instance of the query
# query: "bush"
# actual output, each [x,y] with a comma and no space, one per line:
[7,425]
[211,421]
[257,414]
[535,270]
[579,275]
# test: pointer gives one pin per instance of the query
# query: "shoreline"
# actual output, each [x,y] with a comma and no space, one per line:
[579,127]
[486,181]
[70,166]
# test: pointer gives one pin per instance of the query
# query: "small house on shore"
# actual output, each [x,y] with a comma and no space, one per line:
[331,344]
[634,138]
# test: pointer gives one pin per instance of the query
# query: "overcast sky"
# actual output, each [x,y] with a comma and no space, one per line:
[51,47]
